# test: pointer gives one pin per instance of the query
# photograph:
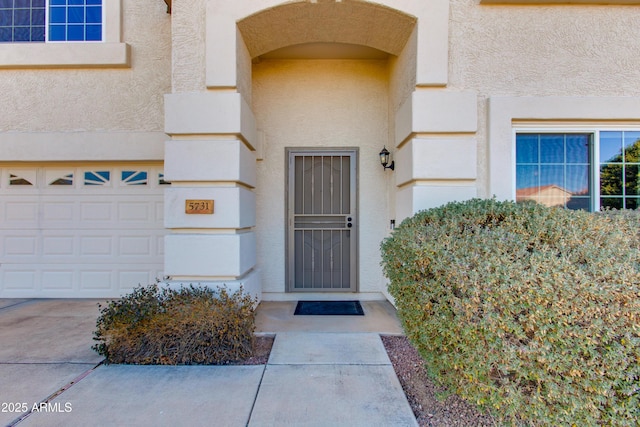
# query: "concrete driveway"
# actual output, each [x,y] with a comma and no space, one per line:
[49,376]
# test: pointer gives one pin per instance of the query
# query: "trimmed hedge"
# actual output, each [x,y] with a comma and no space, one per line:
[162,326]
[531,312]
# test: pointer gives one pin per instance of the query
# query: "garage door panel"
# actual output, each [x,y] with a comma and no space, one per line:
[96,279]
[18,279]
[59,246]
[159,207]
[160,245]
[141,243]
[57,279]
[96,246]
[58,211]
[136,245]
[99,212]
[133,278]
[134,211]
[19,214]
[20,246]
[61,237]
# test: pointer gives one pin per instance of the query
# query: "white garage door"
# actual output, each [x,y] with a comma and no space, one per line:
[83,231]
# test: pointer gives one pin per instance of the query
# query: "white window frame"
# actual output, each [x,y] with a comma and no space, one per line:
[594,129]
[110,53]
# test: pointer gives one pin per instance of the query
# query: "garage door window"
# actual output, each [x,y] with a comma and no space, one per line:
[134,177]
[22,178]
[97,178]
[60,178]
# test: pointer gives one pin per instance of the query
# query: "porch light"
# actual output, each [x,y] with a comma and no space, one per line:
[384,159]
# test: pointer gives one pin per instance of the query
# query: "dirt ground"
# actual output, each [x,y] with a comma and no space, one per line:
[422,393]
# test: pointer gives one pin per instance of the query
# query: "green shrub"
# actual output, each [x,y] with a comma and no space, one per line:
[161,326]
[529,311]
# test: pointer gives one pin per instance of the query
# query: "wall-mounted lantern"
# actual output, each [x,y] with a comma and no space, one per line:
[384,159]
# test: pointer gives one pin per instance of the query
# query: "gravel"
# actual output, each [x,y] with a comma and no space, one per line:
[422,393]
[261,351]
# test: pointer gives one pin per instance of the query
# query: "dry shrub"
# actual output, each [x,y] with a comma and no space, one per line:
[161,326]
[531,312]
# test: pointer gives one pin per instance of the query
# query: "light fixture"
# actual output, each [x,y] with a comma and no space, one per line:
[384,159]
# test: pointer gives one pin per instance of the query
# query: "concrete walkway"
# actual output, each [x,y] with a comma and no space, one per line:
[336,378]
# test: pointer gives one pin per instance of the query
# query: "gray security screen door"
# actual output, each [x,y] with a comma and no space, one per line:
[321,232]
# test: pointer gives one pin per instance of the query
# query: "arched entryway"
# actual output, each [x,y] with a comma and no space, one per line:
[323,76]
[253,78]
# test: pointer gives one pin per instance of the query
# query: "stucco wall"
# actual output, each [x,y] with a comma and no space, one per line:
[188,32]
[68,100]
[544,50]
[540,51]
[321,103]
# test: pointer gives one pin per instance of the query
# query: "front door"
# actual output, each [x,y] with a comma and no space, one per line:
[322,221]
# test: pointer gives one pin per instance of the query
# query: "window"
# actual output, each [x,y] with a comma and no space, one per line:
[50,20]
[22,20]
[111,52]
[129,177]
[97,178]
[559,169]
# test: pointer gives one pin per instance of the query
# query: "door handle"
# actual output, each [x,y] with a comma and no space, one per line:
[349,225]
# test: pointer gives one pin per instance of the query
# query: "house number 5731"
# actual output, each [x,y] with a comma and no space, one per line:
[198,207]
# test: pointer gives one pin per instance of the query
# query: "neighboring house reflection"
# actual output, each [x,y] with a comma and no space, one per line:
[548,195]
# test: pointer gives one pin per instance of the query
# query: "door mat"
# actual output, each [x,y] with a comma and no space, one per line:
[329,308]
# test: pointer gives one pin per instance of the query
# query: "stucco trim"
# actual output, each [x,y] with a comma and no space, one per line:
[503,111]
[430,20]
[436,111]
[65,55]
[81,146]
[439,158]
[210,255]
[297,22]
[210,113]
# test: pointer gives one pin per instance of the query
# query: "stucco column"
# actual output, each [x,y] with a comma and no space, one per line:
[437,150]
[210,159]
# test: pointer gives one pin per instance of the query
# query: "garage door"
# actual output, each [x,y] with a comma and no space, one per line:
[84,231]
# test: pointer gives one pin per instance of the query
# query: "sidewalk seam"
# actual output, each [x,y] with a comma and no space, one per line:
[255,398]
[55,394]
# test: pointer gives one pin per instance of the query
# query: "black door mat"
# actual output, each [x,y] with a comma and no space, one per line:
[329,308]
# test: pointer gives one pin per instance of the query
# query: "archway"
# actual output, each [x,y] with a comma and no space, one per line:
[325,76]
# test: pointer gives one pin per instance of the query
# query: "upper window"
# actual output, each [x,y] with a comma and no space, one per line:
[50,20]
[590,171]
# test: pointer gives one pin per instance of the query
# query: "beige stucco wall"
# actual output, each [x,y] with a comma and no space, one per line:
[188,34]
[544,50]
[98,100]
[321,103]
[541,51]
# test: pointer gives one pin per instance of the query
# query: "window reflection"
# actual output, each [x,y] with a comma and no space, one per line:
[553,169]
